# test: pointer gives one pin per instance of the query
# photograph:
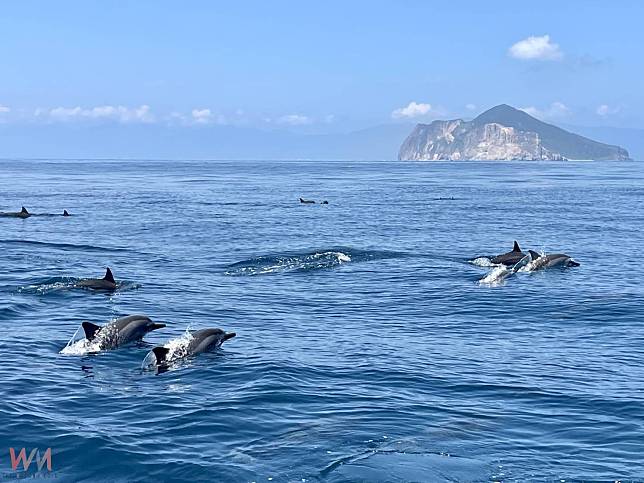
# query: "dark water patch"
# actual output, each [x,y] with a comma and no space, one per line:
[322,259]
[391,465]
[64,246]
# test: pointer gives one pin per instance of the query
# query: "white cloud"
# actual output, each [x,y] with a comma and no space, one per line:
[412,110]
[556,110]
[116,113]
[606,110]
[201,116]
[4,109]
[536,48]
[294,120]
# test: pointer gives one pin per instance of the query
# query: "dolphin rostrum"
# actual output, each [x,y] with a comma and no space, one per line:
[204,340]
[510,258]
[105,283]
[121,331]
[17,214]
[551,260]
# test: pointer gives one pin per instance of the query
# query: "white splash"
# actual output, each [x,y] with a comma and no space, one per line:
[78,345]
[482,262]
[497,275]
[177,349]
[534,264]
[342,257]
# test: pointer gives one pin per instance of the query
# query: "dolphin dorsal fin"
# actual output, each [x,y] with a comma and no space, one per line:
[160,353]
[516,247]
[65,213]
[24,210]
[534,254]
[90,330]
[108,275]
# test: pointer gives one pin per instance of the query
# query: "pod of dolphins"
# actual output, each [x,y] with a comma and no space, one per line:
[539,260]
[23,213]
[133,328]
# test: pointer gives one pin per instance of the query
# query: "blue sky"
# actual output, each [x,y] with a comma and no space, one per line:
[319,66]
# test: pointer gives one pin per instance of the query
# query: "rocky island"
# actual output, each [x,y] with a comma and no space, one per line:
[502,133]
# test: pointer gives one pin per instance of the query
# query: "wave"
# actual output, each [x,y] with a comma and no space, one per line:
[305,261]
[65,246]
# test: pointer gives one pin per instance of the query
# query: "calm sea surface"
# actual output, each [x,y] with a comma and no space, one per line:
[366,348]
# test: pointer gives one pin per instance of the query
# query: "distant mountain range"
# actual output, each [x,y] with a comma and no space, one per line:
[157,141]
[502,133]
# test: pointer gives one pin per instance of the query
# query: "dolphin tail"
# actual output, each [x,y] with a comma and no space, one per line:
[108,275]
[24,210]
[572,263]
[229,335]
[160,353]
[516,247]
[90,330]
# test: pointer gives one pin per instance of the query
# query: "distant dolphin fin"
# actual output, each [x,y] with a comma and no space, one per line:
[24,210]
[108,275]
[534,254]
[160,353]
[65,213]
[90,330]
[516,247]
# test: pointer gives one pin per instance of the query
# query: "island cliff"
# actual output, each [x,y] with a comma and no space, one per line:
[502,133]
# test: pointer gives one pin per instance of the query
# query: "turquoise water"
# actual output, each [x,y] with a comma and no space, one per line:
[366,348]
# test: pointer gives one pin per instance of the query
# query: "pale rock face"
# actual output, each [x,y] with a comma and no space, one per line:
[455,140]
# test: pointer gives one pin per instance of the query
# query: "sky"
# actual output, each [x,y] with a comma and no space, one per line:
[319,67]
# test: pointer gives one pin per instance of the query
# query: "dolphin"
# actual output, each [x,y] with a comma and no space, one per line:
[204,340]
[105,283]
[307,202]
[17,214]
[325,202]
[121,331]
[509,258]
[500,273]
[65,213]
[551,260]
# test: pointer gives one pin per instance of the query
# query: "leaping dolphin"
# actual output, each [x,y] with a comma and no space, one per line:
[121,331]
[105,283]
[551,260]
[509,258]
[17,214]
[204,340]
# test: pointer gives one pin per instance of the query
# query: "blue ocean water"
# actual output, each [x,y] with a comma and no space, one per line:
[366,348]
